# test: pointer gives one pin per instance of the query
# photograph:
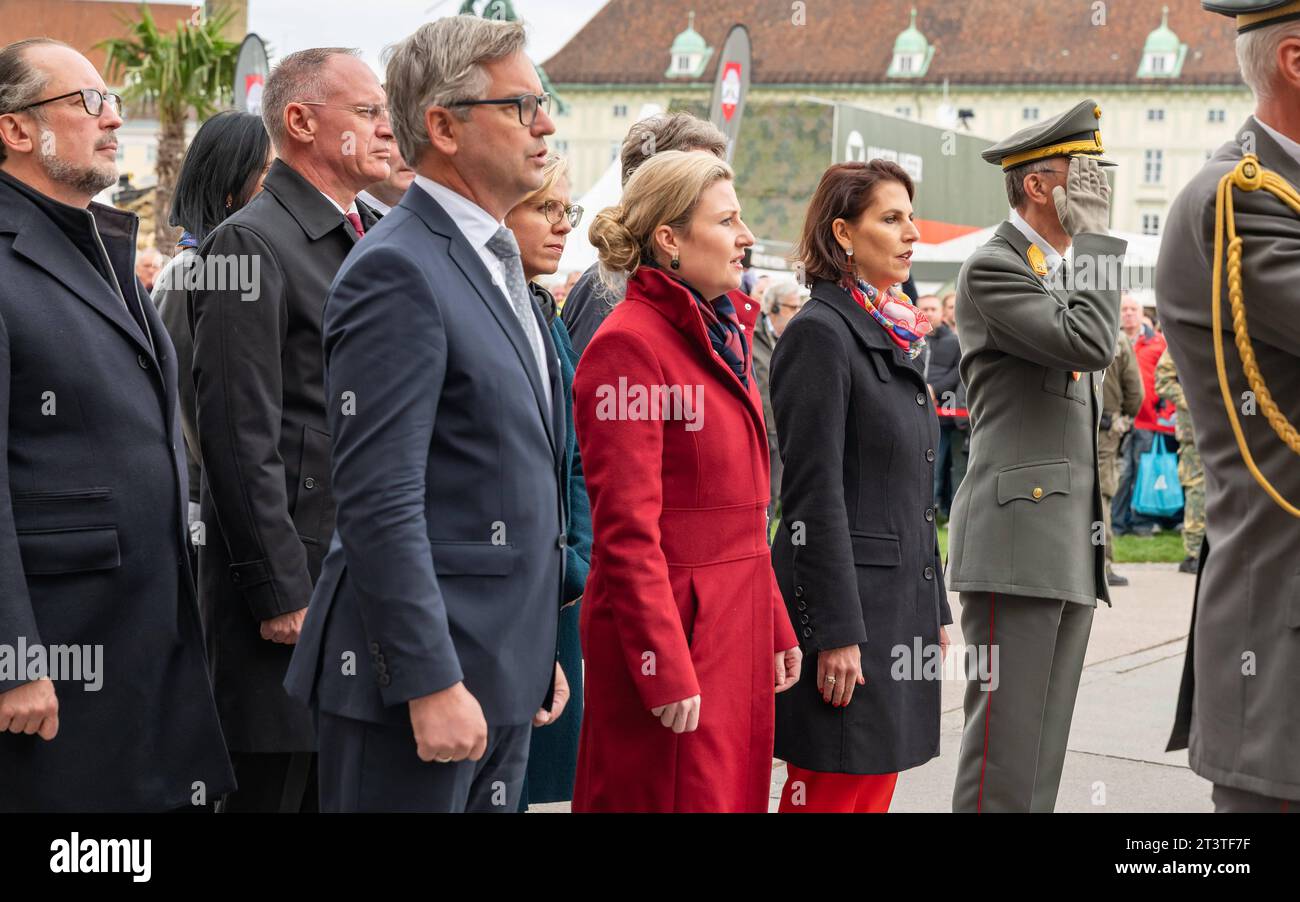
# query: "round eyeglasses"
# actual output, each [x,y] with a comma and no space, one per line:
[554,211]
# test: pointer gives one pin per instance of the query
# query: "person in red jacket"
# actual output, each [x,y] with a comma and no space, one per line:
[684,631]
[1153,418]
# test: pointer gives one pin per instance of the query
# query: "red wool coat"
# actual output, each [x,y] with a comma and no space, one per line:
[681,599]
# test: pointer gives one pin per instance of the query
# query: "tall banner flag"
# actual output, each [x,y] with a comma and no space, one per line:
[732,86]
[251,71]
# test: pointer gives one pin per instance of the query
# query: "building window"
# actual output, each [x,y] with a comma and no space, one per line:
[904,111]
[1150,223]
[1153,172]
[561,146]
[615,148]
[684,63]
[1218,115]
[620,111]
[1159,63]
[1155,115]
[1030,114]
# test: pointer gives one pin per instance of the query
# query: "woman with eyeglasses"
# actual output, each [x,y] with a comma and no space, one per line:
[541,224]
[223,169]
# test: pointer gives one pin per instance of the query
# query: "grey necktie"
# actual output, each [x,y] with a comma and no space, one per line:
[506,249]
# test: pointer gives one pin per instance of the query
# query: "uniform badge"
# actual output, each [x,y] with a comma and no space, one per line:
[1036,260]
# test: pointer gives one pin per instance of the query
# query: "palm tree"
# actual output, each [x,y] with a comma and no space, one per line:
[190,69]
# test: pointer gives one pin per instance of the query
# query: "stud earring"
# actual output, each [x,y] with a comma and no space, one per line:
[676,264]
[229,201]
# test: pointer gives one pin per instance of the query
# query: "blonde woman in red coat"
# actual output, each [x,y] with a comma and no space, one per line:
[684,633]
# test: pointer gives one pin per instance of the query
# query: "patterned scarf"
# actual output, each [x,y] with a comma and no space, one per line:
[904,324]
[725,334]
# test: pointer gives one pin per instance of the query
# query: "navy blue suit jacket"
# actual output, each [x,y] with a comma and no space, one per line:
[447,562]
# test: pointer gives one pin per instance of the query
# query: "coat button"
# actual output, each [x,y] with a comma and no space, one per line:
[802,605]
[309,483]
[749,306]
[143,361]
[929,454]
[562,541]
[374,648]
[384,679]
[1038,493]
[798,591]
[381,668]
[807,631]
[803,618]
[929,514]
[929,573]
[920,399]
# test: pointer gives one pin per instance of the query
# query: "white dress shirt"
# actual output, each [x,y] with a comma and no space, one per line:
[478,227]
[374,203]
[352,207]
[1050,256]
[1291,147]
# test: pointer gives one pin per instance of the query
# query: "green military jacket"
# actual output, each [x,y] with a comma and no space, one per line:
[1168,388]
[1027,518]
[1239,693]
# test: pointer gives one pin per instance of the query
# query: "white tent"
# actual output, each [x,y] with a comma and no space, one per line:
[579,255]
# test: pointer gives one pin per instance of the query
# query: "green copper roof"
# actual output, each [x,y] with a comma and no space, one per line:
[690,40]
[911,40]
[1163,42]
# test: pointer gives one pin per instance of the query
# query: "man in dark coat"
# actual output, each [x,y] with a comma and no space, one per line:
[266,509]
[93,569]
[939,363]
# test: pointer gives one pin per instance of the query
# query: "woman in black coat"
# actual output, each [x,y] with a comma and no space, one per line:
[856,554]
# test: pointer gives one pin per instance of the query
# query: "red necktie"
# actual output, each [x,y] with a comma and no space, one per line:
[355,219]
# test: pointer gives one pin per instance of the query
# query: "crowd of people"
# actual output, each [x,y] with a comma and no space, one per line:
[464,545]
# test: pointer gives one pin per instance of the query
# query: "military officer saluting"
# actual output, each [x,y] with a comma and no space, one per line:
[1228,292]
[1027,534]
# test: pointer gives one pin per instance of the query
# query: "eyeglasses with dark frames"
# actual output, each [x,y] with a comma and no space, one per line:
[554,211]
[527,105]
[92,99]
[372,111]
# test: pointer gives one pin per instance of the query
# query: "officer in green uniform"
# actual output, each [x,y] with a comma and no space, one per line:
[1191,474]
[1027,531]
[1228,293]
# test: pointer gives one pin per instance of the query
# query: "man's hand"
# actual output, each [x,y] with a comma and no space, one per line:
[788,665]
[1120,424]
[681,716]
[285,628]
[1084,204]
[30,708]
[449,726]
[561,698]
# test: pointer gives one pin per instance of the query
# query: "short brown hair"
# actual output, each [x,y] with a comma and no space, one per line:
[676,131]
[845,192]
[297,75]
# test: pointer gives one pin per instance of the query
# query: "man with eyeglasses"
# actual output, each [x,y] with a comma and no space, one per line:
[446,576]
[267,507]
[105,703]
[1027,534]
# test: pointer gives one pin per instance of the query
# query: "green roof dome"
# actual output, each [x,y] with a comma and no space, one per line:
[690,40]
[911,40]
[1163,39]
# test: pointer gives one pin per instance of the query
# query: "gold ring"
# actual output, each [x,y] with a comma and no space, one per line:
[446,760]
[830,680]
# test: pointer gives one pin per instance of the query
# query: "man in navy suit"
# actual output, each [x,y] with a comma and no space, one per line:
[93,487]
[429,647]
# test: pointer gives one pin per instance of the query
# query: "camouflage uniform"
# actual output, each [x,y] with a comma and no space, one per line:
[1190,472]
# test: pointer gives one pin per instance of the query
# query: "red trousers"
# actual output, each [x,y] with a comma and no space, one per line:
[814,792]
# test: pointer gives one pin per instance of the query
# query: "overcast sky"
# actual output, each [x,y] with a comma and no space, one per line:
[289,25]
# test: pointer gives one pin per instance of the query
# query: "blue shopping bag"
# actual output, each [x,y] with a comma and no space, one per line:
[1158,493]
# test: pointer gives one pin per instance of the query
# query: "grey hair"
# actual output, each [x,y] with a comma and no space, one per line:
[1015,177]
[438,65]
[21,83]
[1257,56]
[299,76]
[776,294]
